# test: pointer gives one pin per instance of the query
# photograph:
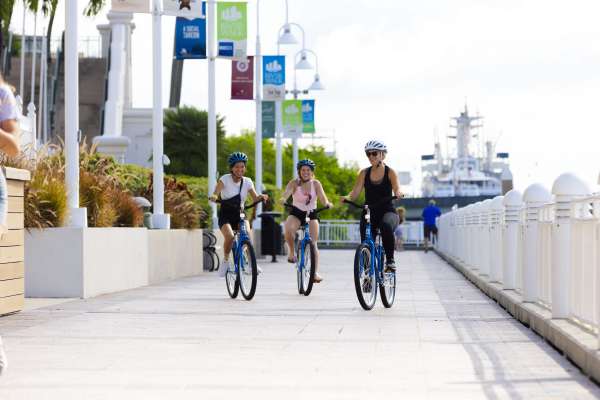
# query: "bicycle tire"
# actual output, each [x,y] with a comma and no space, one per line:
[308,273]
[299,275]
[387,286]
[248,268]
[362,262]
[232,282]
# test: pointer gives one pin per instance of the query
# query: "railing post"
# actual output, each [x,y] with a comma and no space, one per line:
[566,188]
[534,197]
[496,239]
[512,207]
[484,237]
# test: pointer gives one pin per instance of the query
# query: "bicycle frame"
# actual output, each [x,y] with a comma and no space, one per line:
[304,242]
[240,237]
[375,249]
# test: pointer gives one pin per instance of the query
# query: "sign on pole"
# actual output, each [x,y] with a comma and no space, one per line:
[292,118]
[308,116]
[184,8]
[190,38]
[274,77]
[232,30]
[242,79]
[133,6]
[268,119]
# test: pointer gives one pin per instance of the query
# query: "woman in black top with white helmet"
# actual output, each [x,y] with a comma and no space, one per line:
[379,182]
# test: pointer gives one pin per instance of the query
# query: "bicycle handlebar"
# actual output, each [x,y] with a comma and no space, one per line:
[384,200]
[219,201]
[316,211]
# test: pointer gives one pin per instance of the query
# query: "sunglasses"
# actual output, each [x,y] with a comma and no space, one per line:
[372,153]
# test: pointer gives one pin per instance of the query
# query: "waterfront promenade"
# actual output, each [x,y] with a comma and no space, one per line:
[444,339]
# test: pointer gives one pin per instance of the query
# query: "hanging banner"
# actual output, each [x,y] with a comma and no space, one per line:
[308,116]
[268,119]
[242,79]
[292,118]
[274,77]
[133,6]
[184,8]
[190,38]
[232,30]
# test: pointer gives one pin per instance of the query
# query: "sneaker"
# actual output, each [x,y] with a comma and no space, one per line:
[224,268]
[3,362]
[390,266]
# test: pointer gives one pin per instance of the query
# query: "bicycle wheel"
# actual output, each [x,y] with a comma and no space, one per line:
[216,259]
[247,273]
[232,282]
[310,265]
[208,261]
[387,285]
[365,281]
[299,267]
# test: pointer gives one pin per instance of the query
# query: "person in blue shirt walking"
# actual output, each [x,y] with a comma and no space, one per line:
[430,213]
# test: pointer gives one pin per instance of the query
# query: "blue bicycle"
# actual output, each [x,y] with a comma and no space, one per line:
[306,252]
[369,267]
[244,273]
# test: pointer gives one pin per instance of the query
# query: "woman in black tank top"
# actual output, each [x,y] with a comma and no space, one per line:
[379,182]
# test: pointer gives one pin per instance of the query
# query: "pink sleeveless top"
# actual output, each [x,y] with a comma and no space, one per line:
[303,200]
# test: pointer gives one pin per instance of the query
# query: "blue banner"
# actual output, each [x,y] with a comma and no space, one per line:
[308,116]
[190,37]
[274,77]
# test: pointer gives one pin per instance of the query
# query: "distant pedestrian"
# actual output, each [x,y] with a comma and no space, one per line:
[430,213]
[398,231]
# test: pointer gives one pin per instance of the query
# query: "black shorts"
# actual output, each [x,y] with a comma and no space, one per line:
[301,215]
[429,229]
[229,216]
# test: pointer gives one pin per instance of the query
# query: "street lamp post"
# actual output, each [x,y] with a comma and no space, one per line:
[160,220]
[286,37]
[212,114]
[258,97]
[316,85]
[77,215]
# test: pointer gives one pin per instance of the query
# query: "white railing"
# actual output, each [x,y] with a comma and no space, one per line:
[347,232]
[548,246]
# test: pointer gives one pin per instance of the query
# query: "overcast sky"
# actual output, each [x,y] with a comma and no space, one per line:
[398,70]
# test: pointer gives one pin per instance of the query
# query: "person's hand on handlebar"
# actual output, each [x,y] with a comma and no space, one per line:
[329,205]
[263,197]
[213,198]
[344,199]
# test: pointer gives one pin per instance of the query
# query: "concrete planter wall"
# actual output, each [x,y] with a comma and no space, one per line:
[76,262]
[11,245]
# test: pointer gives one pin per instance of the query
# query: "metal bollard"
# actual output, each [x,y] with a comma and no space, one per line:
[496,249]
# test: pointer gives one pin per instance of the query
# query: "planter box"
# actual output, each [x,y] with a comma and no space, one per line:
[11,245]
[105,260]
[173,254]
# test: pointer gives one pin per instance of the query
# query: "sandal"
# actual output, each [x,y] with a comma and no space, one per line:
[292,260]
[318,278]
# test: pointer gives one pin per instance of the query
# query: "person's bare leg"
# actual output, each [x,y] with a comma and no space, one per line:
[228,240]
[291,226]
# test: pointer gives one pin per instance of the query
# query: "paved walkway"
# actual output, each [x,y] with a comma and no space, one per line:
[187,340]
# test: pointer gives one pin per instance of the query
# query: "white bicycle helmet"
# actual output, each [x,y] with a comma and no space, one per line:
[375,145]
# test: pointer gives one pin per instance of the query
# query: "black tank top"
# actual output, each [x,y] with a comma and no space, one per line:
[374,193]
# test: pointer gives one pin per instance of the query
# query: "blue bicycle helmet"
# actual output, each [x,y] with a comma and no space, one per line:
[308,162]
[237,157]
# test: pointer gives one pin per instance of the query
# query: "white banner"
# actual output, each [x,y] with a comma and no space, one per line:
[183,8]
[133,6]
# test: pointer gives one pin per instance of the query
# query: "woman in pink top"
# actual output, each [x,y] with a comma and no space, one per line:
[304,192]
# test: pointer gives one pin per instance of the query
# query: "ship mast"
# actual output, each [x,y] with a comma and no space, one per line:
[463,132]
